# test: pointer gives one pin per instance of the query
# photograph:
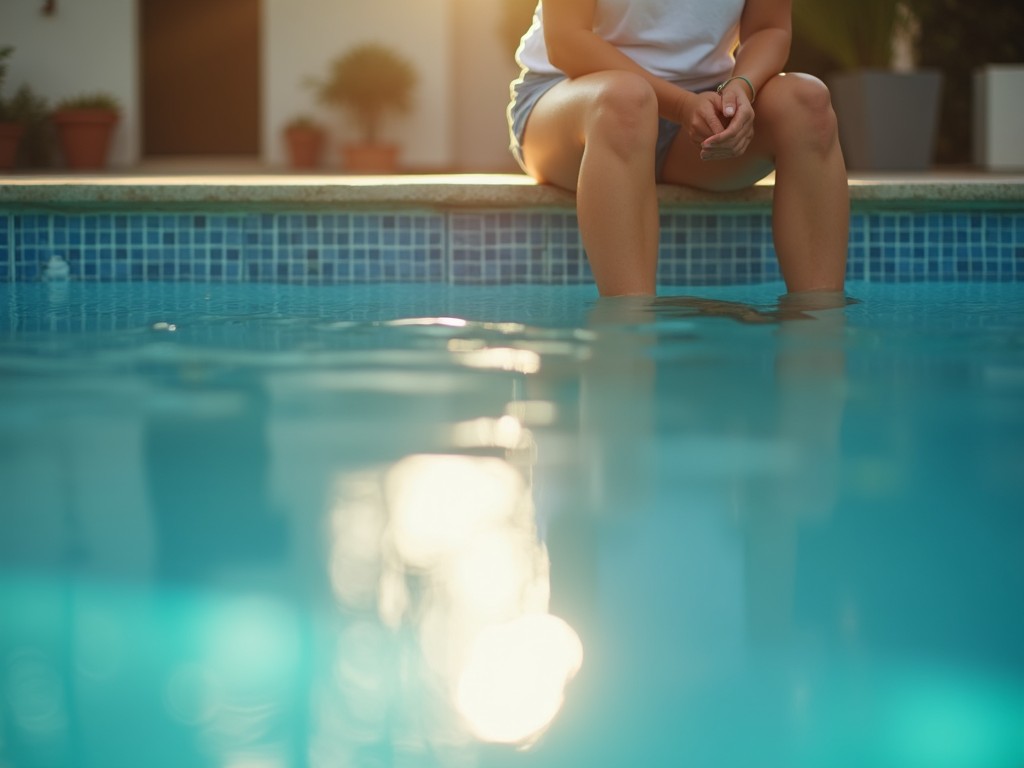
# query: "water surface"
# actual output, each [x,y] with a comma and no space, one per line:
[463,526]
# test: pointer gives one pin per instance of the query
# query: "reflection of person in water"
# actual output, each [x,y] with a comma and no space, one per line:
[207,470]
[699,469]
[792,306]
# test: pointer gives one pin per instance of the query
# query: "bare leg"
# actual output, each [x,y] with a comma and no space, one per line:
[596,135]
[795,131]
[811,208]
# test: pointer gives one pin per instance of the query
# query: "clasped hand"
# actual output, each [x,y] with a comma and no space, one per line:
[722,124]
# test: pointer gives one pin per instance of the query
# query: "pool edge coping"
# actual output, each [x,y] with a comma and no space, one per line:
[453,191]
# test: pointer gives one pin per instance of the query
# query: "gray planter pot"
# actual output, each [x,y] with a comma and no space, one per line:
[998,135]
[887,120]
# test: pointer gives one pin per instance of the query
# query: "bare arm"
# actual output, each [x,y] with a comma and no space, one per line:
[765,37]
[576,50]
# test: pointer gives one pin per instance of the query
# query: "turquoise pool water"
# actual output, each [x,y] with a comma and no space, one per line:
[426,525]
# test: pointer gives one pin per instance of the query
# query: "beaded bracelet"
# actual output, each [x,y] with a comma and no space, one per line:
[750,85]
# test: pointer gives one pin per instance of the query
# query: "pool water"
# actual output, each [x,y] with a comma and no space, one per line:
[275,526]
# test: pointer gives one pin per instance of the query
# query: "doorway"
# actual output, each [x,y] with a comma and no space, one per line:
[200,78]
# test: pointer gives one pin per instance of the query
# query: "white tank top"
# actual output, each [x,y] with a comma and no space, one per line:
[689,42]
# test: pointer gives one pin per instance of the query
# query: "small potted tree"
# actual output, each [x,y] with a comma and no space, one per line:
[369,83]
[85,125]
[304,140]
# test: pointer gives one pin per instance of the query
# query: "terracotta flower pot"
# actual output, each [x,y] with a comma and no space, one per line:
[370,158]
[10,137]
[305,146]
[84,136]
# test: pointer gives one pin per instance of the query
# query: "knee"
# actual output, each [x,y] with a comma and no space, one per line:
[799,108]
[623,113]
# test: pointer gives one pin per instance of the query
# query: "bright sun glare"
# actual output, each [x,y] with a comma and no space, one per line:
[513,682]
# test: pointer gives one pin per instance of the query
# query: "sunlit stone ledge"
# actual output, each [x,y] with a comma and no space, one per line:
[469,191]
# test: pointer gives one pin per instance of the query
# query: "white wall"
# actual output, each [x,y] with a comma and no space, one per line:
[91,45]
[301,37]
[483,68]
[87,46]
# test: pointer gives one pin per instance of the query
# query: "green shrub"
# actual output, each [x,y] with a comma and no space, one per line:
[38,144]
[849,33]
[304,122]
[5,53]
[97,100]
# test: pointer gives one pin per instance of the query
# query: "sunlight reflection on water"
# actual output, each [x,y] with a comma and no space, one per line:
[462,529]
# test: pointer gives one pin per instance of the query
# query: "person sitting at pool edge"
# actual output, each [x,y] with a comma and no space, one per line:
[617,95]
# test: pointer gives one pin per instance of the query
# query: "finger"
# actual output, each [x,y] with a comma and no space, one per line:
[719,143]
[720,139]
[729,104]
[725,151]
[709,113]
[726,132]
[732,134]
[717,153]
[738,125]
[740,147]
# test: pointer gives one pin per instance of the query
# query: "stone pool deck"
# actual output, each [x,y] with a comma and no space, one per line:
[282,191]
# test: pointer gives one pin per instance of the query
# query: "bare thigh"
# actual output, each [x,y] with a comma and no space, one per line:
[555,135]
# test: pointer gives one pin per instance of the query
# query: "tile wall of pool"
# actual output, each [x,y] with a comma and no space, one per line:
[698,247]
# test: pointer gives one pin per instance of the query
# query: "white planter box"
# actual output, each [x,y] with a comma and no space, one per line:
[999,117]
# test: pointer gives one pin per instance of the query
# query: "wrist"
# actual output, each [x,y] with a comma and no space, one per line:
[739,82]
[683,105]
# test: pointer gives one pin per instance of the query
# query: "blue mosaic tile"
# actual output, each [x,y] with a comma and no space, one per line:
[950,245]
[702,249]
[697,247]
[505,247]
[331,248]
[6,248]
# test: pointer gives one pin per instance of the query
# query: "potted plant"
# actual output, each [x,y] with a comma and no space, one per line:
[369,83]
[887,118]
[85,125]
[304,139]
[979,47]
[37,148]
[25,133]
[11,128]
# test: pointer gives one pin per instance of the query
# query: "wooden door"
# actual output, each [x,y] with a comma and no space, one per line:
[200,77]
